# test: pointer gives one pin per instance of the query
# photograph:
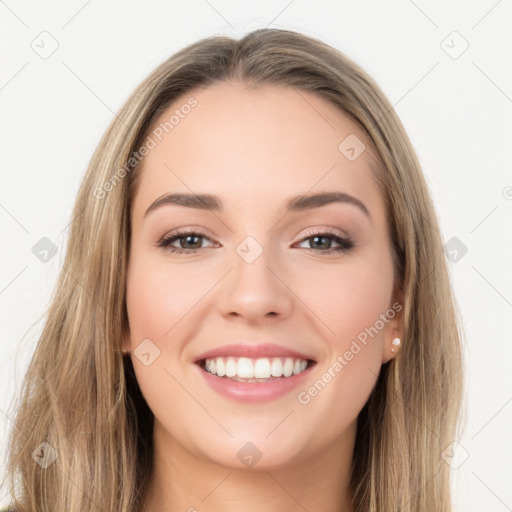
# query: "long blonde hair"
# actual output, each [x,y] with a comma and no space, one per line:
[80,394]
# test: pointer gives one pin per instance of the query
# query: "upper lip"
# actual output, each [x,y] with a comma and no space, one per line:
[252,351]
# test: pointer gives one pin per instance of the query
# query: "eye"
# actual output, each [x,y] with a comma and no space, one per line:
[190,242]
[324,240]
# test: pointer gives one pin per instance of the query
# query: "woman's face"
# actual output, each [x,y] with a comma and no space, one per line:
[314,280]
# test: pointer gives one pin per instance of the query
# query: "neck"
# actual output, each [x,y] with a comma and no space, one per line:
[182,481]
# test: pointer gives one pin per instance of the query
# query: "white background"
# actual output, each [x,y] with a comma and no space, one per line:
[457,111]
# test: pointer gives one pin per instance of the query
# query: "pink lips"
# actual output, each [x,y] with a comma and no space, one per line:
[251,392]
[252,351]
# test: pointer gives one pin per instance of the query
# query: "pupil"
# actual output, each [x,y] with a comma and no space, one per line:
[188,237]
[325,245]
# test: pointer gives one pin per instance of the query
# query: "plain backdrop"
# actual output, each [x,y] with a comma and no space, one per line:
[445,66]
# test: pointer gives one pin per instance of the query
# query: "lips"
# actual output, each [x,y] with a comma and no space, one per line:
[253,373]
[253,352]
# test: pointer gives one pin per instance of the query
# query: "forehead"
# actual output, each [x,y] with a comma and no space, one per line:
[249,145]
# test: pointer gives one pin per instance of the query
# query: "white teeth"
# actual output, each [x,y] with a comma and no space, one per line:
[255,369]
[245,368]
[299,366]
[221,371]
[262,368]
[288,367]
[231,367]
[276,367]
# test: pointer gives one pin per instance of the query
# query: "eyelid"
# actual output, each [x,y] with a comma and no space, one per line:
[188,230]
[182,232]
[206,234]
[329,230]
[344,240]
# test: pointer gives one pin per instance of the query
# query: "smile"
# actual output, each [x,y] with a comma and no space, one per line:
[245,369]
[243,379]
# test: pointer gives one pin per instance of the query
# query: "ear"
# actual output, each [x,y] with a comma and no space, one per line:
[394,330]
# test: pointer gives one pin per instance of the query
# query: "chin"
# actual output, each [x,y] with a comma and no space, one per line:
[257,452]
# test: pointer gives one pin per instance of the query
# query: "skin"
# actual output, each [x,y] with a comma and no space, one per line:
[255,148]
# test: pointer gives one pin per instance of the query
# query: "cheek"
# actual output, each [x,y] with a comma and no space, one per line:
[160,303]
[159,296]
[343,299]
[348,298]
[351,304]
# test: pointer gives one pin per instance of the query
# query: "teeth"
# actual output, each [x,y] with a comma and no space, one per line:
[276,367]
[231,367]
[257,370]
[288,367]
[245,368]
[221,370]
[262,369]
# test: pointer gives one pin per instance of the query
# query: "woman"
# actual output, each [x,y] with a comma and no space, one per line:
[254,311]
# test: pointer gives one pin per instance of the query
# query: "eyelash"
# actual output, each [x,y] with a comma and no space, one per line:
[345,243]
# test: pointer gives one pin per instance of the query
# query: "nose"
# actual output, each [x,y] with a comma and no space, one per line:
[256,291]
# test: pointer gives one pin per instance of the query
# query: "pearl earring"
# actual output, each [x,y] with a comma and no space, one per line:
[395,343]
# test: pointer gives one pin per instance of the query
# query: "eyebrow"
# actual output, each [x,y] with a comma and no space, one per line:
[293,204]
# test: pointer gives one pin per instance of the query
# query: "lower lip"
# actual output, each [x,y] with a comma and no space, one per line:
[253,391]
